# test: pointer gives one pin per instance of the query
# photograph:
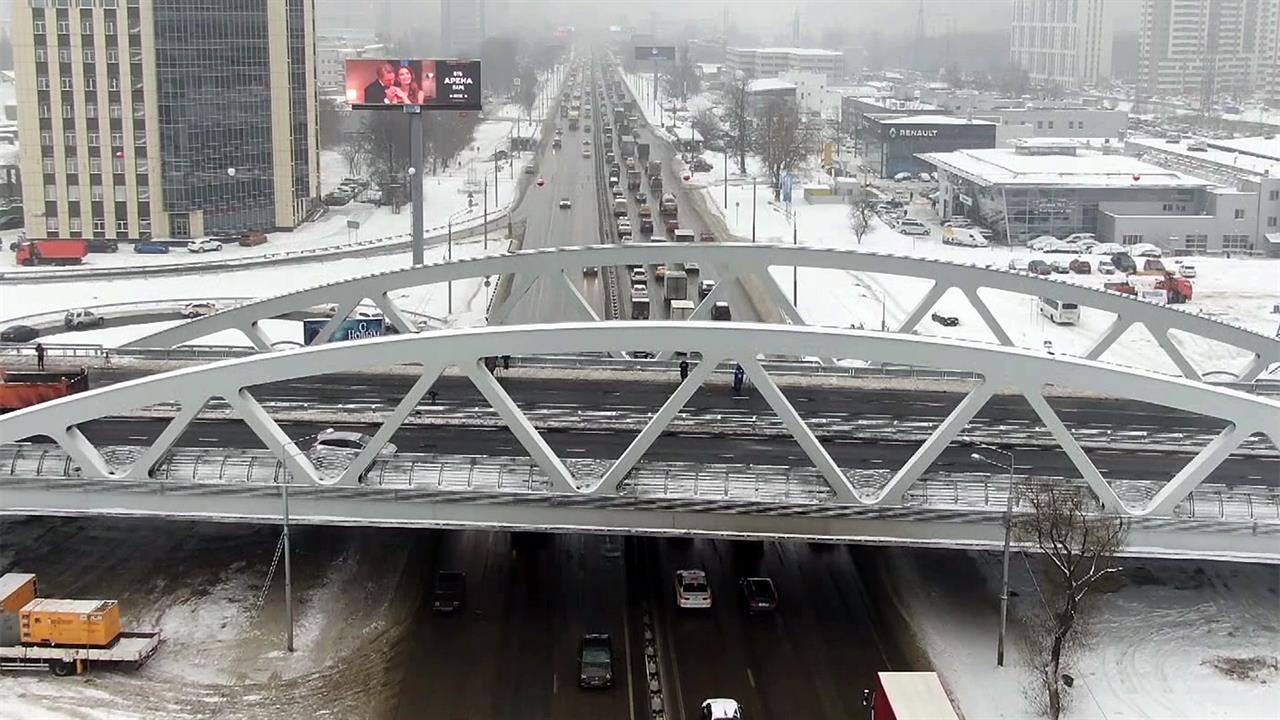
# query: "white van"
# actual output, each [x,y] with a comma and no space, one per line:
[1060,313]
[968,237]
[683,235]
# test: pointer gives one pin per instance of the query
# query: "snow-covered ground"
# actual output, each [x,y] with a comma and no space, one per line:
[470,297]
[1173,640]
[1238,290]
[445,196]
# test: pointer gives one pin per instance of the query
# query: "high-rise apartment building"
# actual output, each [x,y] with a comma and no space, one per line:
[1067,42]
[166,118]
[462,27]
[1209,50]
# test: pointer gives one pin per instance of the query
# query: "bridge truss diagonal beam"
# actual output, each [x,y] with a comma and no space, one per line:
[741,260]
[1024,371]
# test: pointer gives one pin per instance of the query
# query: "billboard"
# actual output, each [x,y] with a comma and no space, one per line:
[655,52]
[350,329]
[431,84]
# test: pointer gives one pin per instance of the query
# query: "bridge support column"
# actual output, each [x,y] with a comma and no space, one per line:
[270,433]
[1106,495]
[1205,462]
[1117,328]
[361,462]
[984,312]
[926,304]
[141,469]
[392,312]
[935,444]
[533,442]
[1166,343]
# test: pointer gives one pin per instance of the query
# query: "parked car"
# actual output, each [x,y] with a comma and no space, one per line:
[1080,267]
[1039,267]
[1080,238]
[902,177]
[206,245]
[759,594]
[102,245]
[1106,268]
[911,226]
[1018,264]
[148,247]
[1146,250]
[692,590]
[330,440]
[449,591]
[700,165]
[252,238]
[1042,243]
[81,319]
[945,320]
[1187,270]
[1107,249]
[1060,266]
[595,661]
[336,198]
[19,334]
[198,309]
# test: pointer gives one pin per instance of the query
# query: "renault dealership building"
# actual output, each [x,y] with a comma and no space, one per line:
[891,144]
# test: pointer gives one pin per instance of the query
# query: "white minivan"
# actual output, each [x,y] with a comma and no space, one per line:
[968,237]
[1060,313]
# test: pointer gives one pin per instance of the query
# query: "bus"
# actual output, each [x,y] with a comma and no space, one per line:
[1060,313]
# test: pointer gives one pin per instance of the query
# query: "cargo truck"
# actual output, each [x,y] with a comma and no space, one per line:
[908,696]
[633,180]
[667,207]
[642,153]
[681,309]
[676,285]
[628,145]
[63,635]
[51,252]
[639,308]
[655,169]
[24,389]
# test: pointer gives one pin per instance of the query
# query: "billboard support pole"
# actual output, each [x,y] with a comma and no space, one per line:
[416,180]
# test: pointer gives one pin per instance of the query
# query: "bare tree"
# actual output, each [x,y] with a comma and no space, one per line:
[707,124]
[860,213]
[1080,541]
[355,151]
[782,139]
[737,119]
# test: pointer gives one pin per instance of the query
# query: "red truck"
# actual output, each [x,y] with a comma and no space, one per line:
[24,389]
[908,696]
[1179,289]
[53,251]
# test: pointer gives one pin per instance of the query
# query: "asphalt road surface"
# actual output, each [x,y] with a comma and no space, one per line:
[512,653]
[695,448]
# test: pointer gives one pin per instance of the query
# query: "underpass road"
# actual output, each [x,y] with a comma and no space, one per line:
[512,653]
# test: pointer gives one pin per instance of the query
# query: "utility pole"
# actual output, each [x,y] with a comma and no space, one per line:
[753,209]
[486,213]
[418,158]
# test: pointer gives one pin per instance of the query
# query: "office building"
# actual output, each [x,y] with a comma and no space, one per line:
[462,27]
[1057,187]
[165,118]
[1064,42]
[771,62]
[1206,50]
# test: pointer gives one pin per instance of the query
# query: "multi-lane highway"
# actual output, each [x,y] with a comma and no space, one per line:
[512,653]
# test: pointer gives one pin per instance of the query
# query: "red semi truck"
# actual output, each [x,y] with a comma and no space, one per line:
[908,696]
[53,251]
[24,389]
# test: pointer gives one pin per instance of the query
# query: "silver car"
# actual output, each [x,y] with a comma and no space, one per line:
[339,441]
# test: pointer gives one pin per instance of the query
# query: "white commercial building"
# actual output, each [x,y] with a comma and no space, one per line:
[1250,165]
[1207,49]
[1062,41]
[811,92]
[332,53]
[772,62]
[1057,187]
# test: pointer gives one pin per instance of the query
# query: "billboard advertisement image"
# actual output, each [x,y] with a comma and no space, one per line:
[350,329]
[430,84]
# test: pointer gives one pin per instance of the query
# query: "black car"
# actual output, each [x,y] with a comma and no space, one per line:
[595,662]
[1039,267]
[449,592]
[102,245]
[946,320]
[19,333]
[11,222]
[759,594]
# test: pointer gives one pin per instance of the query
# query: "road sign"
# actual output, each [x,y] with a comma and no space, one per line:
[353,224]
[350,329]
[655,52]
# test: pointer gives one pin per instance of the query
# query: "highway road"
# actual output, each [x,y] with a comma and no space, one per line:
[587,443]
[530,597]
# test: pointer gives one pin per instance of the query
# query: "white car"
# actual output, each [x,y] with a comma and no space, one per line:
[198,309]
[639,290]
[1187,270]
[1107,249]
[1145,250]
[1019,264]
[1079,238]
[720,709]
[346,441]
[1042,243]
[692,590]
[565,203]
[206,245]
[910,226]
[1105,267]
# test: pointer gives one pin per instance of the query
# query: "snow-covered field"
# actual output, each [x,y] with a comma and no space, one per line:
[1238,290]
[1173,641]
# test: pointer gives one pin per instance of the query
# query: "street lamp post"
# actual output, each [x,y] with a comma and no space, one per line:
[753,209]
[486,213]
[1008,531]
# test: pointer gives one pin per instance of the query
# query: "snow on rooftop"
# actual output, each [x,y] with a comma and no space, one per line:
[64,605]
[767,84]
[1086,168]
[934,120]
[1228,153]
[815,52]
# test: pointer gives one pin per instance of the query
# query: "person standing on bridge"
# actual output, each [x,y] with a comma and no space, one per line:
[684,369]
[39,356]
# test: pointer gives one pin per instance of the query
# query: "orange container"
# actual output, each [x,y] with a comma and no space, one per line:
[16,590]
[93,623]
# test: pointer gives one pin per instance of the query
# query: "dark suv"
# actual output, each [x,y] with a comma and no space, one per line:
[595,662]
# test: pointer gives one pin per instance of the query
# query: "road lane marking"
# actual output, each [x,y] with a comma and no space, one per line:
[751,678]
[555,684]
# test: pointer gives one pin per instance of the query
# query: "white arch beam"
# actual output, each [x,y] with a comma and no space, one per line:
[1025,371]
[742,259]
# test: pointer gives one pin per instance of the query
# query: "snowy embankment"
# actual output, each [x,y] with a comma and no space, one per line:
[1172,640]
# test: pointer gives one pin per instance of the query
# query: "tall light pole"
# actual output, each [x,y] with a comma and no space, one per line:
[1008,532]
[486,213]
[753,209]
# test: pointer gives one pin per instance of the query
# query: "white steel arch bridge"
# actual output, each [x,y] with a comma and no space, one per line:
[733,263]
[828,502]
